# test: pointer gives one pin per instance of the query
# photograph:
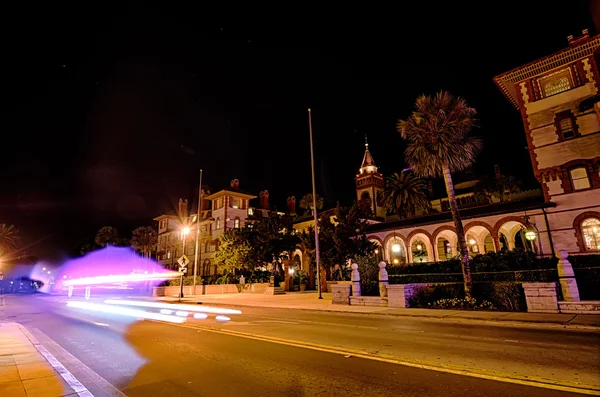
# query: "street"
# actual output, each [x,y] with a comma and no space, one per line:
[275,352]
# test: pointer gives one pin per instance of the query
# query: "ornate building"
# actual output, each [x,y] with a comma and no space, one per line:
[226,209]
[370,184]
[558,99]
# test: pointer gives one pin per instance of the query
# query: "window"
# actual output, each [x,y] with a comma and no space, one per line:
[168,254]
[566,127]
[556,83]
[591,233]
[235,202]
[250,211]
[218,223]
[236,223]
[579,178]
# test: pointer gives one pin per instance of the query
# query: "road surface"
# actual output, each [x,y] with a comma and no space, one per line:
[274,352]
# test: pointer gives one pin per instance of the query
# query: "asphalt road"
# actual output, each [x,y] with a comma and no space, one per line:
[143,358]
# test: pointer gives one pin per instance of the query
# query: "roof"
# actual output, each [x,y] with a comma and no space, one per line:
[578,48]
[163,216]
[468,213]
[231,191]
[368,159]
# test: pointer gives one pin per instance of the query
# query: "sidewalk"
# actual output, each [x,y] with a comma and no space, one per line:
[24,370]
[308,301]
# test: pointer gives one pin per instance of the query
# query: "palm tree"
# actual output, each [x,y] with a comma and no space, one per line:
[438,144]
[144,239]
[9,239]
[306,203]
[405,194]
[107,235]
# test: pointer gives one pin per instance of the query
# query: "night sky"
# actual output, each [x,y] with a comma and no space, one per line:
[109,113]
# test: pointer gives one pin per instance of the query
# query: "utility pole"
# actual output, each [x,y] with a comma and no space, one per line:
[314,194]
[197,252]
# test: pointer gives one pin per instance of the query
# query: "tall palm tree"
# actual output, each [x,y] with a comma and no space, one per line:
[405,194]
[306,203]
[9,239]
[438,144]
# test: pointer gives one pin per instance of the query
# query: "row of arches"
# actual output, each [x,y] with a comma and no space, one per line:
[422,246]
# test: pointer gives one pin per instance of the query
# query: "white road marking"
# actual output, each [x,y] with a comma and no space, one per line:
[66,375]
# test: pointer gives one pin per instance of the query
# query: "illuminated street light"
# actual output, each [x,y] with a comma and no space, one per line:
[396,247]
[472,241]
[530,235]
[44,269]
[419,247]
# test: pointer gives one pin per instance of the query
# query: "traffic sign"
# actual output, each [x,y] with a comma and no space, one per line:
[183,261]
[182,269]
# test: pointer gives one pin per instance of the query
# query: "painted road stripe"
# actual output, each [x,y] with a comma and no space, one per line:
[66,375]
[533,382]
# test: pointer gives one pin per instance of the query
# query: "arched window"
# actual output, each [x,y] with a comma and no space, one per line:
[218,224]
[557,85]
[236,223]
[365,196]
[590,228]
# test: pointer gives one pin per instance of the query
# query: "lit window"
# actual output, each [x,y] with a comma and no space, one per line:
[556,86]
[235,202]
[591,233]
[579,178]
[556,83]
[218,223]
[168,254]
[250,211]
[236,223]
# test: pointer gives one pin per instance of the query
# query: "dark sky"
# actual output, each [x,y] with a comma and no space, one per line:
[108,113]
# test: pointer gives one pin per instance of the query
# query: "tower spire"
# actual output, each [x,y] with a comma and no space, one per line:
[366,142]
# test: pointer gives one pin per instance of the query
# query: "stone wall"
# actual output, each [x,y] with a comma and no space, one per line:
[340,294]
[541,297]
[213,289]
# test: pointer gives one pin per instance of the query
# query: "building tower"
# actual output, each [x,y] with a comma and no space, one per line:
[558,97]
[370,185]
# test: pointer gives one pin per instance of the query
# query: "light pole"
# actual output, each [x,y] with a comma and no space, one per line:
[314,196]
[197,252]
[184,232]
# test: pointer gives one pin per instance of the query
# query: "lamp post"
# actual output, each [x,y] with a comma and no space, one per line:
[197,251]
[531,233]
[184,232]
[314,196]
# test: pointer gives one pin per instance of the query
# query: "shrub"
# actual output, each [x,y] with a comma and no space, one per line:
[368,267]
[588,282]
[505,296]
[427,294]
[461,303]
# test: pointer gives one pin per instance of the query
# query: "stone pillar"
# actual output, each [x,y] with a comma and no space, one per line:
[541,297]
[340,294]
[496,240]
[568,283]
[383,279]
[355,277]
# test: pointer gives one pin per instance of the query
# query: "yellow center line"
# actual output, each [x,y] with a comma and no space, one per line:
[529,381]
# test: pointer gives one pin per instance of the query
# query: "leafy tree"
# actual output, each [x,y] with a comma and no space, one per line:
[144,239]
[342,239]
[107,235]
[273,236]
[235,252]
[439,144]
[405,194]
[9,239]
[306,203]
[499,188]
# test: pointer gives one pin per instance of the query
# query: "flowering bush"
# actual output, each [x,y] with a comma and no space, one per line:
[461,303]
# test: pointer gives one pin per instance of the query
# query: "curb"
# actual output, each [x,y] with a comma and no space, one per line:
[564,325]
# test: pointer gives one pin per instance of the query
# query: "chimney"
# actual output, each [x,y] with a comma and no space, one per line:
[235,184]
[183,208]
[497,171]
[585,35]
[430,188]
[264,199]
[205,203]
[291,205]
